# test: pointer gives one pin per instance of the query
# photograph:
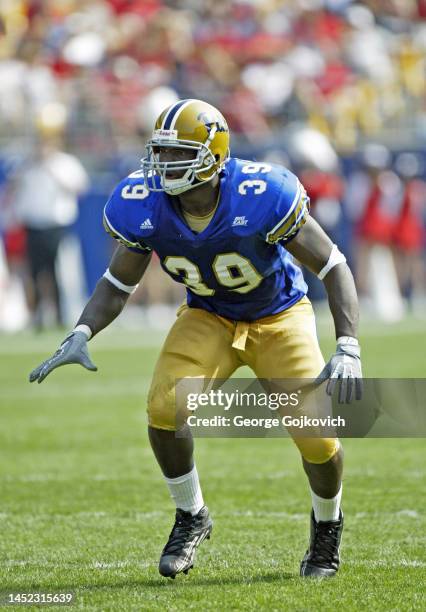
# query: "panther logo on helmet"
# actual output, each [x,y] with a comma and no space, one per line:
[210,120]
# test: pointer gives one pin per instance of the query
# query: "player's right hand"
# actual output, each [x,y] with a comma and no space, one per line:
[72,350]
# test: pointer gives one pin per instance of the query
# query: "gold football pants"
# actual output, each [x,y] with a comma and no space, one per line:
[206,346]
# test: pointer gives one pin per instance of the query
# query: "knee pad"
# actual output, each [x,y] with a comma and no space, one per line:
[167,401]
[317,450]
[161,409]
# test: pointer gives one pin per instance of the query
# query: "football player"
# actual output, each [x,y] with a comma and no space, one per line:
[227,229]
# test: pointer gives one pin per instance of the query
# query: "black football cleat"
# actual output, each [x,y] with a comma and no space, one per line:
[187,534]
[322,557]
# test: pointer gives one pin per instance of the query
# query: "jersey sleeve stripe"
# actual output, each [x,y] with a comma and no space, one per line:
[300,215]
[298,222]
[288,226]
[301,220]
[291,209]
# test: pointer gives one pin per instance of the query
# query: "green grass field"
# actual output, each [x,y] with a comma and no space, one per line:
[83,507]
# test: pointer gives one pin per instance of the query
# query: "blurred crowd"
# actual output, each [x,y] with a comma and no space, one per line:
[335,89]
[351,70]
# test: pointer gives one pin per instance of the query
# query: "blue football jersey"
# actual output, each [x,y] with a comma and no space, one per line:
[237,267]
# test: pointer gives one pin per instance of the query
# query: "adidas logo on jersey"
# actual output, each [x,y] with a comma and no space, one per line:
[146,225]
[239,221]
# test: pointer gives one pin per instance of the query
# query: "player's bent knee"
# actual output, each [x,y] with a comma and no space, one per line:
[163,409]
[317,450]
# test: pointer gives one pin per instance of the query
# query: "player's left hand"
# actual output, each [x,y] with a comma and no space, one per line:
[344,370]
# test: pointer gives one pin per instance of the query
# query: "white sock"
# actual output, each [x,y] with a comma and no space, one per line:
[186,491]
[326,509]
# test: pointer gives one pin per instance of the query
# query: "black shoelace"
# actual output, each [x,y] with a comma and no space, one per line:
[179,534]
[325,544]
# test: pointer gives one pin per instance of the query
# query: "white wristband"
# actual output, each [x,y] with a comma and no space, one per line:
[335,258]
[127,288]
[85,329]
[347,340]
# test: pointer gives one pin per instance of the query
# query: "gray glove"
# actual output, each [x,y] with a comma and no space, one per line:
[72,350]
[345,367]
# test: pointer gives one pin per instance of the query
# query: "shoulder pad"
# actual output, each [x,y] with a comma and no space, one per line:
[271,195]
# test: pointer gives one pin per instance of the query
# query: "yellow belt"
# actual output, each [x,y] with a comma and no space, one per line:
[240,335]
